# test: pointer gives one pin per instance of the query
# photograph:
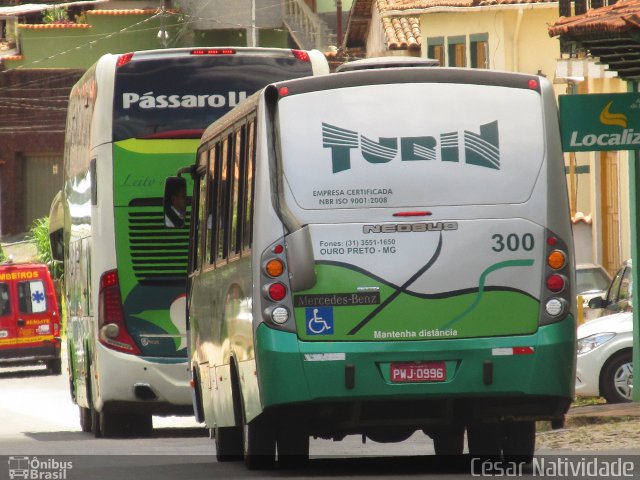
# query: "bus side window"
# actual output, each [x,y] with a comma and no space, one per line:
[212,205]
[248,175]
[223,200]
[236,194]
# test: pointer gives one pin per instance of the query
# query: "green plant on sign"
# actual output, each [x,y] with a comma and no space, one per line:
[39,235]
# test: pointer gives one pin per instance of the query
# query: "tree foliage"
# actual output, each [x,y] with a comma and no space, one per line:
[39,235]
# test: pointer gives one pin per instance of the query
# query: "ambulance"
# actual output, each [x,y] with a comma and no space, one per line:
[29,317]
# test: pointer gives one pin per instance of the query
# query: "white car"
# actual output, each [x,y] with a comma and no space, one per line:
[604,365]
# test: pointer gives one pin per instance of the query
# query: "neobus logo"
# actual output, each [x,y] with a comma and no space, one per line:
[150,101]
[480,149]
[410,227]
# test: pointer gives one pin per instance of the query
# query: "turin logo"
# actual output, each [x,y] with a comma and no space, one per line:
[480,149]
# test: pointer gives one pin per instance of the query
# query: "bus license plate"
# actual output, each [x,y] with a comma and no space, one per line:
[418,372]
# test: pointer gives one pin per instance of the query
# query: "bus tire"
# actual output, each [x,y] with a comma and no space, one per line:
[519,441]
[138,425]
[616,379]
[85,419]
[228,443]
[484,440]
[293,446]
[54,366]
[95,423]
[448,440]
[259,443]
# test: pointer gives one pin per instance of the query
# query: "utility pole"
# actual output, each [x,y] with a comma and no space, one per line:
[254,30]
[339,23]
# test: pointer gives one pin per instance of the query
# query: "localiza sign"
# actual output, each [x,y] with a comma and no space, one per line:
[608,121]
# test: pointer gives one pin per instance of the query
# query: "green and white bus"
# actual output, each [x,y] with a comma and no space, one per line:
[381,252]
[132,120]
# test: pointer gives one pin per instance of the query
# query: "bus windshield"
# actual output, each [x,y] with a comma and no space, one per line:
[149,92]
[459,148]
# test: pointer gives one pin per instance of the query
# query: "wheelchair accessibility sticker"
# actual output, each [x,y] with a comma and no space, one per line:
[319,320]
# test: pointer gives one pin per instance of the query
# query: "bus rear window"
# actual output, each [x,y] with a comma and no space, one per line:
[414,144]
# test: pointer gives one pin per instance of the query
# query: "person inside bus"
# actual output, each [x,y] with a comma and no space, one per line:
[174,212]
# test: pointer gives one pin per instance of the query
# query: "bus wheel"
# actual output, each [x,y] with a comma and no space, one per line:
[484,440]
[54,366]
[293,447]
[448,440]
[519,441]
[85,419]
[140,425]
[95,423]
[228,443]
[259,445]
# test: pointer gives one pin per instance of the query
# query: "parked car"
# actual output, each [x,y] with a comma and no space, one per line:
[604,365]
[29,317]
[592,280]
[618,297]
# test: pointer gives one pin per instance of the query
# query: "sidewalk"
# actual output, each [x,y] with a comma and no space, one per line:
[602,413]
[597,428]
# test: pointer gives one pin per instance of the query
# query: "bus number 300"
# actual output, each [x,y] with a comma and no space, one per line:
[512,242]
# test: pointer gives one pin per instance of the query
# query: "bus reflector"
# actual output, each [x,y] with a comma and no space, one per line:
[274,268]
[277,291]
[512,351]
[556,259]
[278,249]
[124,59]
[533,84]
[284,91]
[555,283]
[301,55]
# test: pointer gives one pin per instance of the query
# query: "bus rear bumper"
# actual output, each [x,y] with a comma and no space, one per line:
[526,377]
[152,385]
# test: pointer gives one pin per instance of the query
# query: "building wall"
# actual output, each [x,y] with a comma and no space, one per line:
[222,14]
[527,49]
[79,46]
[28,127]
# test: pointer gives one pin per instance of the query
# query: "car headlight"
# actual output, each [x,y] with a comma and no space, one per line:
[587,344]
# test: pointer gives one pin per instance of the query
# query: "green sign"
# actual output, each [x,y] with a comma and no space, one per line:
[608,121]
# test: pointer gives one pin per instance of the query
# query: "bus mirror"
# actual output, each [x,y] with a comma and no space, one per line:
[300,259]
[56,227]
[175,202]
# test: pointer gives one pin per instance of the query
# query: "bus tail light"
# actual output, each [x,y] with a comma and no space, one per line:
[277,291]
[301,55]
[124,59]
[557,281]
[112,329]
[277,303]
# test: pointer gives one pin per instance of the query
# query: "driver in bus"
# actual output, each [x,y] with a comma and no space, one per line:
[174,214]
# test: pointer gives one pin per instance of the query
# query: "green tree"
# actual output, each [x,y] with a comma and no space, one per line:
[39,235]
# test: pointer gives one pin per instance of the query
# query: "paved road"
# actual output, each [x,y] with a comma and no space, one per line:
[39,424]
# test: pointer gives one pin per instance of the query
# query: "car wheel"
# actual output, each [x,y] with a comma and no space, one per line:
[617,378]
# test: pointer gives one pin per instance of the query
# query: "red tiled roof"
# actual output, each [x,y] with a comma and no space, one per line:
[403,32]
[620,17]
